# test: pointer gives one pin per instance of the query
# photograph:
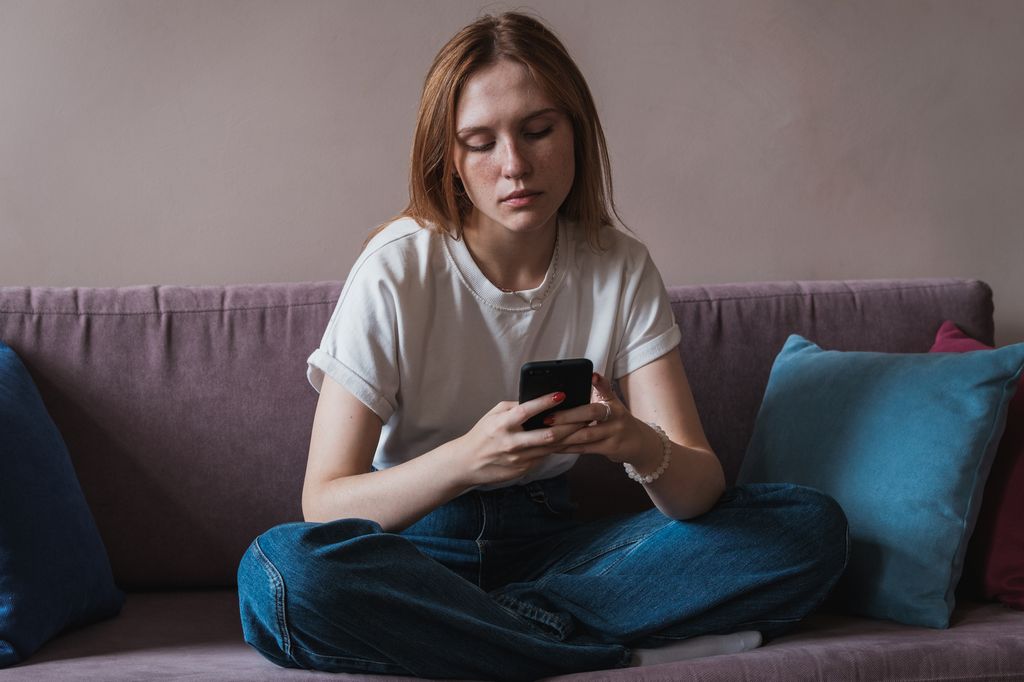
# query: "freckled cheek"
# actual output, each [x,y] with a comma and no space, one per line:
[480,177]
[559,167]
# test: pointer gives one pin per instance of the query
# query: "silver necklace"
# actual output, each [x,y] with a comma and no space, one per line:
[536,302]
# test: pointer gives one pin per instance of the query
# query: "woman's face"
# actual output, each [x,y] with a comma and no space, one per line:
[513,150]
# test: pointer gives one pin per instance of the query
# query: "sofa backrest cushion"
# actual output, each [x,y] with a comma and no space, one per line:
[187,412]
[732,333]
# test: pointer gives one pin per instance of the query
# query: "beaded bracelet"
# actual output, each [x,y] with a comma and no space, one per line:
[666,448]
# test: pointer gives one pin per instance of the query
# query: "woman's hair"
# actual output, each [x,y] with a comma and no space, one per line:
[436,197]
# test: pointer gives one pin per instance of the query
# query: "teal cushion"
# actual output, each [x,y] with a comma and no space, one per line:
[904,443]
[54,570]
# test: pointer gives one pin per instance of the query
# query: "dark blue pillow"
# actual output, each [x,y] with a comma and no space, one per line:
[904,443]
[54,570]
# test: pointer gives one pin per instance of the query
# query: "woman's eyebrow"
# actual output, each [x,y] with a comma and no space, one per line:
[469,130]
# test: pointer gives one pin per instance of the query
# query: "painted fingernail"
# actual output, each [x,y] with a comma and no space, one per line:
[549,420]
[558,397]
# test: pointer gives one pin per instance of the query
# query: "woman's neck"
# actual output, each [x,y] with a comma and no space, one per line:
[512,261]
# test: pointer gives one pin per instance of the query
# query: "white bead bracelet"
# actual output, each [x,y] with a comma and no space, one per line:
[666,448]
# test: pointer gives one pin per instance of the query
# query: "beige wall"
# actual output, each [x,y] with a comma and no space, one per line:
[207,141]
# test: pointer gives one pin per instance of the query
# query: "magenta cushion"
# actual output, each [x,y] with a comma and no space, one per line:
[995,558]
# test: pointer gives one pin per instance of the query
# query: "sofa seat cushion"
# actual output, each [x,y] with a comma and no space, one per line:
[194,635]
[984,642]
[197,636]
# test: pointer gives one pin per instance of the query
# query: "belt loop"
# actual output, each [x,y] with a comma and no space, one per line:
[536,493]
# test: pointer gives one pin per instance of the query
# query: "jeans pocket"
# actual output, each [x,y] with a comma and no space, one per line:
[562,508]
[553,497]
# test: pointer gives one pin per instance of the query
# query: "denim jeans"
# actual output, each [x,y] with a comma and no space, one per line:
[504,584]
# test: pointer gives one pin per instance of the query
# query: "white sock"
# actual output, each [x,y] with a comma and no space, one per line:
[697,647]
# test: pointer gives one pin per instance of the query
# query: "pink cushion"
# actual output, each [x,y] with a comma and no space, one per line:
[995,558]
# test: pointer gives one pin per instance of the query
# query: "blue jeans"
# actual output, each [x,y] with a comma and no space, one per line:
[504,584]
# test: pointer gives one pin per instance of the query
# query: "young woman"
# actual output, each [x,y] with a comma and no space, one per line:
[439,539]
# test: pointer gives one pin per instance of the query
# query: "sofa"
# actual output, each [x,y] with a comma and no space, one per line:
[187,413]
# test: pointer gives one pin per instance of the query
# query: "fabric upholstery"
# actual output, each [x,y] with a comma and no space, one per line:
[208,447]
[187,412]
[904,443]
[995,557]
[196,636]
[732,333]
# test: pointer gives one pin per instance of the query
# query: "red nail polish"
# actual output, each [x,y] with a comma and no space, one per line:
[549,420]
[558,397]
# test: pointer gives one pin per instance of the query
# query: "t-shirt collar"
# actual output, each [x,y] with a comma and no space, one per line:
[518,301]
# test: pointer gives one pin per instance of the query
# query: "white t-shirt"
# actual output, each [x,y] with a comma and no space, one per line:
[428,343]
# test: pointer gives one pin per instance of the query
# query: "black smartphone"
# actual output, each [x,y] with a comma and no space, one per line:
[571,376]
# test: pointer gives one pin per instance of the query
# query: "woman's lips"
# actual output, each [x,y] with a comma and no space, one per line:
[520,199]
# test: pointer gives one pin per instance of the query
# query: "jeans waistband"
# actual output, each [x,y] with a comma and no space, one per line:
[510,512]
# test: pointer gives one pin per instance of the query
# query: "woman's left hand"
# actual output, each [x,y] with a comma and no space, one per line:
[611,429]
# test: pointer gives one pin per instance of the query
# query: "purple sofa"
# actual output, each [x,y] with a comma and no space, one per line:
[187,415]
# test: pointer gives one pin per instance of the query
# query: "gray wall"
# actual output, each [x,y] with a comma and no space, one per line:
[208,141]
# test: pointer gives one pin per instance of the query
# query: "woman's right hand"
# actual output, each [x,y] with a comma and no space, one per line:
[497,449]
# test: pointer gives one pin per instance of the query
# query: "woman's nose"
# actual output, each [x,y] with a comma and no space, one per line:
[514,164]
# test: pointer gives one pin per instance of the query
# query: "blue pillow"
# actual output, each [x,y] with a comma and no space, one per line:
[904,443]
[54,570]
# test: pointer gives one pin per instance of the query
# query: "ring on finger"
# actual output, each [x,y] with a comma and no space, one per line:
[607,411]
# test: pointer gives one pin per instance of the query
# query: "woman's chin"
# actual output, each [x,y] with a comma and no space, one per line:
[530,222]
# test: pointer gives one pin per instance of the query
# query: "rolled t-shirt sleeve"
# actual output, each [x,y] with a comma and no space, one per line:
[650,327]
[358,347]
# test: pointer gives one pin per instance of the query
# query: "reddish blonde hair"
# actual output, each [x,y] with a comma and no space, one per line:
[435,199]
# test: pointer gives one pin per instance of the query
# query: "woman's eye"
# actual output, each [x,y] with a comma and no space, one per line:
[531,134]
[539,134]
